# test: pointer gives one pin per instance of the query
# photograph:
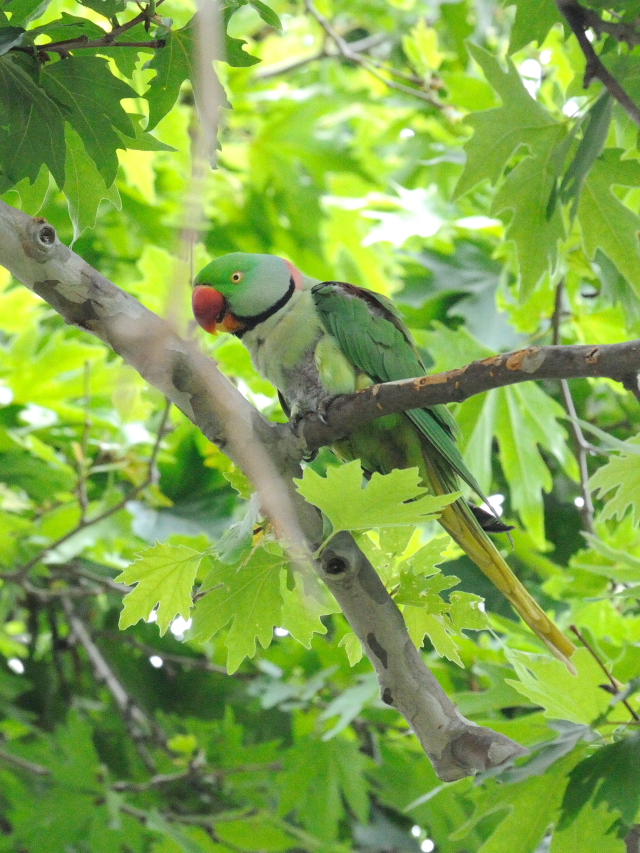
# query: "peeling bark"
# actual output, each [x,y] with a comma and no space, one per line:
[620,362]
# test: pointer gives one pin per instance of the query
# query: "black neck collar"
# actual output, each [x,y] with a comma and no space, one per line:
[249,323]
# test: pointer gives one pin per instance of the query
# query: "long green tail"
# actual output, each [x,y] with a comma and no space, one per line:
[460,523]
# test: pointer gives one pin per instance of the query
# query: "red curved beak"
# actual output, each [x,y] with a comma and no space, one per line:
[211,312]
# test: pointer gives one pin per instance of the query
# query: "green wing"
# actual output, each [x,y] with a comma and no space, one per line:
[372,335]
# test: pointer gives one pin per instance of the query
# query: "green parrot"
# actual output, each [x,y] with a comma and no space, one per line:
[316,340]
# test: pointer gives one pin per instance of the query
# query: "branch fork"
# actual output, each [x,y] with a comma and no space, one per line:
[270,455]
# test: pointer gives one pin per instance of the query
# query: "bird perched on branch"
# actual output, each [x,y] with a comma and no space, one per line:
[316,340]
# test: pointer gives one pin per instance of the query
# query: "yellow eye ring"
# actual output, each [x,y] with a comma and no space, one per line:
[237,276]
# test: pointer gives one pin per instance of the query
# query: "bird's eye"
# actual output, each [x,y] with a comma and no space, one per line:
[236,277]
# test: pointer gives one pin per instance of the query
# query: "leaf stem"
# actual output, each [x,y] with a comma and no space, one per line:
[614,682]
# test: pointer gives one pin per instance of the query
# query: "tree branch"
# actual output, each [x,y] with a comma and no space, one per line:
[583,447]
[269,454]
[140,726]
[620,362]
[580,22]
[346,50]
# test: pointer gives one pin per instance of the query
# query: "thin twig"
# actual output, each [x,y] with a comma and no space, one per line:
[181,660]
[141,727]
[21,572]
[24,764]
[346,50]
[583,447]
[83,472]
[358,46]
[614,682]
[575,16]
[618,30]
[107,41]
[194,772]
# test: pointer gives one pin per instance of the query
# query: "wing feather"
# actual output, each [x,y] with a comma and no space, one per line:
[372,335]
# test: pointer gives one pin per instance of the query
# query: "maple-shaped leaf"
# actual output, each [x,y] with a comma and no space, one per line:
[84,186]
[174,64]
[620,479]
[521,812]
[320,780]
[427,614]
[534,19]
[527,419]
[499,132]
[607,223]
[304,602]
[164,575]
[590,825]
[32,126]
[249,597]
[524,196]
[387,500]
[547,682]
[611,776]
[92,96]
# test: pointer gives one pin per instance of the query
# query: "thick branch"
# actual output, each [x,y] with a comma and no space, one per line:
[620,362]
[30,249]
[453,743]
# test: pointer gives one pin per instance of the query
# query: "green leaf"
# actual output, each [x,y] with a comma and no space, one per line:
[597,121]
[501,131]
[466,612]
[10,37]
[106,8]
[319,777]
[590,824]
[387,500]
[173,65]
[525,195]
[304,606]
[25,11]
[350,703]
[256,833]
[353,648]
[534,19]
[32,195]
[420,623]
[249,597]
[618,565]
[92,96]
[607,223]
[83,185]
[267,14]
[164,575]
[66,809]
[68,27]
[32,130]
[620,479]
[239,481]
[532,807]
[527,419]
[547,682]
[142,141]
[608,776]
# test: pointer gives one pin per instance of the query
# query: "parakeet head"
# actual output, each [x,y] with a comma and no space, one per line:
[236,292]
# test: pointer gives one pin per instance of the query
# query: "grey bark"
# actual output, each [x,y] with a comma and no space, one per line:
[270,456]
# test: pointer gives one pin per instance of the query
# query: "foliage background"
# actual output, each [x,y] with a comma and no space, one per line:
[496,203]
